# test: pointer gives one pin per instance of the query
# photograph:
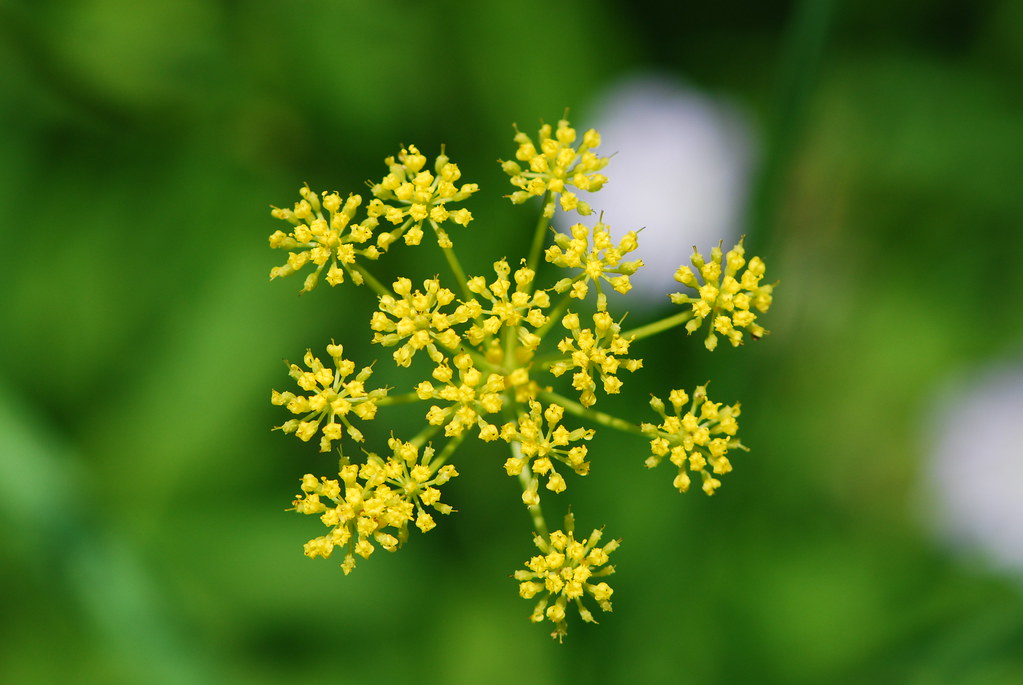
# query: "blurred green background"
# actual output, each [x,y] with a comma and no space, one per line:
[142,494]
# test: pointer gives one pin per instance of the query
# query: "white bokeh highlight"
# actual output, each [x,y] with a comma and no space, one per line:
[681,171]
[973,475]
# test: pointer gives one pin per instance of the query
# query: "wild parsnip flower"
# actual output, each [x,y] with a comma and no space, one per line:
[540,445]
[331,400]
[472,397]
[701,436]
[597,351]
[725,298]
[554,166]
[409,195]
[323,239]
[498,349]
[369,500]
[418,320]
[563,573]
[507,308]
[597,259]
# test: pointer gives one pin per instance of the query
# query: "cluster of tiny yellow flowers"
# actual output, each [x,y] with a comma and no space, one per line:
[332,398]
[472,397]
[369,500]
[324,239]
[539,446]
[594,351]
[507,309]
[410,195]
[564,573]
[691,441]
[726,298]
[553,165]
[418,320]
[516,359]
[415,196]
[598,260]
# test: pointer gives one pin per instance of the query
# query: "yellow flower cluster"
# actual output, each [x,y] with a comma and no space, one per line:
[507,308]
[596,258]
[691,441]
[554,165]
[417,195]
[418,319]
[379,495]
[726,298]
[538,447]
[502,355]
[335,239]
[594,351]
[332,399]
[564,573]
[323,239]
[471,398]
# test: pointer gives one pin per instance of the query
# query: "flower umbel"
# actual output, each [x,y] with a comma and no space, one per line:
[410,194]
[725,298]
[471,398]
[513,360]
[322,239]
[540,446]
[700,437]
[418,320]
[597,259]
[369,500]
[507,308]
[563,573]
[554,164]
[331,399]
[597,351]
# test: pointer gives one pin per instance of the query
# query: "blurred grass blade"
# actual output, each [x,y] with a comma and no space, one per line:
[43,493]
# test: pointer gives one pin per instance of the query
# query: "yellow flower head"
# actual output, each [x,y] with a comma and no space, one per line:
[322,234]
[553,163]
[474,395]
[694,440]
[331,401]
[540,445]
[565,572]
[598,258]
[366,501]
[595,352]
[410,195]
[419,320]
[725,297]
[506,307]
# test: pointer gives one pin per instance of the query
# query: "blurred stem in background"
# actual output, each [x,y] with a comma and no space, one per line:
[804,45]
[43,490]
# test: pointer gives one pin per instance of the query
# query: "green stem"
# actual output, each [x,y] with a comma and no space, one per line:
[397,399]
[478,358]
[658,326]
[371,280]
[456,270]
[525,478]
[573,407]
[539,235]
[424,435]
[545,360]
[448,450]
[511,337]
